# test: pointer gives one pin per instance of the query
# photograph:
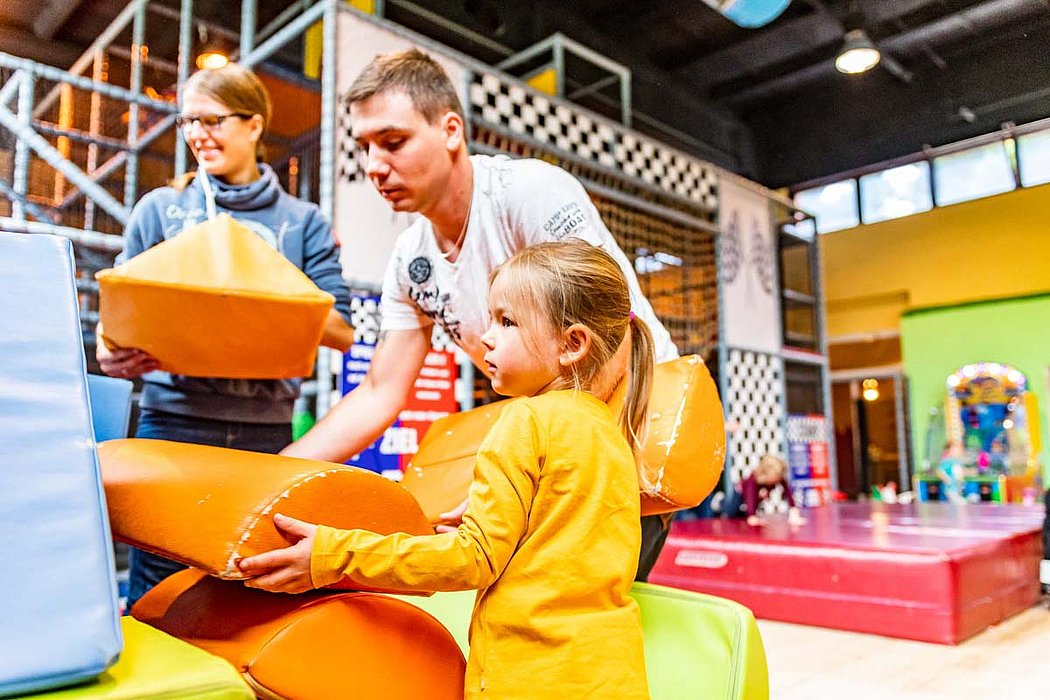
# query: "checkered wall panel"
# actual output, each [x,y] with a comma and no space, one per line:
[347,166]
[511,107]
[365,315]
[753,402]
[806,429]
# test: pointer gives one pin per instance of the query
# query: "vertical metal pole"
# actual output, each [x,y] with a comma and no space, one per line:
[247,27]
[783,403]
[185,56]
[65,121]
[326,182]
[822,347]
[859,448]
[306,164]
[904,482]
[131,166]
[25,119]
[558,49]
[625,99]
[723,364]
[94,128]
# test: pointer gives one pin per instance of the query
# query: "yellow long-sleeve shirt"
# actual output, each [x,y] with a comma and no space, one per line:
[550,540]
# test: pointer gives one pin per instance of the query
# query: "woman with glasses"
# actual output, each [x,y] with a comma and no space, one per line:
[224,115]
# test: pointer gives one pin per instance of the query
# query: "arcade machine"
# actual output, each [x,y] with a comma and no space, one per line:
[990,424]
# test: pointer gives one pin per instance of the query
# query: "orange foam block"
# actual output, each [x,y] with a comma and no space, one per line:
[216,301]
[208,507]
[313,646]
[681,461]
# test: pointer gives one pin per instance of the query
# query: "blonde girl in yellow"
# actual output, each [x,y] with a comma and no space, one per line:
[551,534]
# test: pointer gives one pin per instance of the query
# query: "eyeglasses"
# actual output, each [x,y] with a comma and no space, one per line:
[207,121]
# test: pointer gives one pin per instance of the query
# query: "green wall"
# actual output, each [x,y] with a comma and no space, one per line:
[935,342]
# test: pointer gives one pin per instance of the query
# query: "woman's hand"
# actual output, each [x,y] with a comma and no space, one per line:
[283,570]
[126,363]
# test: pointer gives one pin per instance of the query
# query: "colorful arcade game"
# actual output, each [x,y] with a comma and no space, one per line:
[991,439]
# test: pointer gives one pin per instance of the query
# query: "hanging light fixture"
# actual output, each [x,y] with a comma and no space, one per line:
[858,54]
[213,54]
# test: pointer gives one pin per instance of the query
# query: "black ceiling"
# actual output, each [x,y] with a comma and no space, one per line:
[765,102]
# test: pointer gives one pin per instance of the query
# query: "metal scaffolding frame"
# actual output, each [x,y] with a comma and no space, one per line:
[28,124]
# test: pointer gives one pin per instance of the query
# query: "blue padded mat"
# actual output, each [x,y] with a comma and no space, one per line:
[58,602]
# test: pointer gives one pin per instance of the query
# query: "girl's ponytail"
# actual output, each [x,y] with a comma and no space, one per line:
[634,418]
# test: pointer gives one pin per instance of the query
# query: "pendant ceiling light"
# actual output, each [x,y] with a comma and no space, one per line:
[858,54]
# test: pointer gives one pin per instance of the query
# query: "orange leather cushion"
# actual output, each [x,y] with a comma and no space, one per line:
[209,506]
[681,460]
[216,301]
[314,646]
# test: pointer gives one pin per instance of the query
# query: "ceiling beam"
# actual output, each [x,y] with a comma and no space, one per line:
[51,20]
[789,40]
[965,24]
[24,44]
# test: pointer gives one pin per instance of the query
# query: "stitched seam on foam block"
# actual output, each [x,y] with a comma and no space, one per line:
[231,570]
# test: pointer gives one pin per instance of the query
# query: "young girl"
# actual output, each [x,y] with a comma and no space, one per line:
[759,486]
[550,537]
[224,114]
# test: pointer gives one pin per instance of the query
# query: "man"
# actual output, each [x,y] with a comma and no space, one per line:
[475,213]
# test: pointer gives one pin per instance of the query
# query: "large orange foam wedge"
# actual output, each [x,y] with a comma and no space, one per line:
[681,460]
[313,646]
[215,301]
[209,506]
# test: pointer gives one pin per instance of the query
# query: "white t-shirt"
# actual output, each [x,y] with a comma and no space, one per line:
[515,204]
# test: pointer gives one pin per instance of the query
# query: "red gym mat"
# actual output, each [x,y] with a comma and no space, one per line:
[929,571]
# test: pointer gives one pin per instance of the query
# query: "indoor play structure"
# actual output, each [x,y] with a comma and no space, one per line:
[201,634]
[991,439]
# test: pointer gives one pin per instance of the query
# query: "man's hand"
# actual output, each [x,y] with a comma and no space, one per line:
[450,521]
[283,570]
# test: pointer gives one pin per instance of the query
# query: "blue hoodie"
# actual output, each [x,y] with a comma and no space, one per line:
[293,227]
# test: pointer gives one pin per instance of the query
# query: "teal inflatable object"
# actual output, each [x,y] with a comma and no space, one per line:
[697,647]
[750,13]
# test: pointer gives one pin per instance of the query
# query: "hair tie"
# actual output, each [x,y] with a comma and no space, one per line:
[630,316]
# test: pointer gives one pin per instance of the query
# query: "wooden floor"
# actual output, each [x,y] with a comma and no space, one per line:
[1010,661]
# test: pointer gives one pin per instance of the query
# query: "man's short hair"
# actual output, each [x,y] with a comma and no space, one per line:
[415,73]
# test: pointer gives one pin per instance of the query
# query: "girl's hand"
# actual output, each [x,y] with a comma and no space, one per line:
[283,570]
[451,520]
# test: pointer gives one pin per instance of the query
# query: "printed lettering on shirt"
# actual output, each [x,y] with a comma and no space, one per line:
[565,221]
[434,303]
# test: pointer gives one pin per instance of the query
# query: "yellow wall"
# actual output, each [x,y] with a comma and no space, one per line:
[987,248]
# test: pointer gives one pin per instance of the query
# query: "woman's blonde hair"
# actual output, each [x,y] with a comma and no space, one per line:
[237,88]
[573,282]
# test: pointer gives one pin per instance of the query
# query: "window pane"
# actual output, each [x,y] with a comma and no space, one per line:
[979,172]
[805,388]
[1034,153]
[834,205]
[896,192]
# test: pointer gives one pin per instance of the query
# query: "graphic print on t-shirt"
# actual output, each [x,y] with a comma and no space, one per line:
[429,297]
